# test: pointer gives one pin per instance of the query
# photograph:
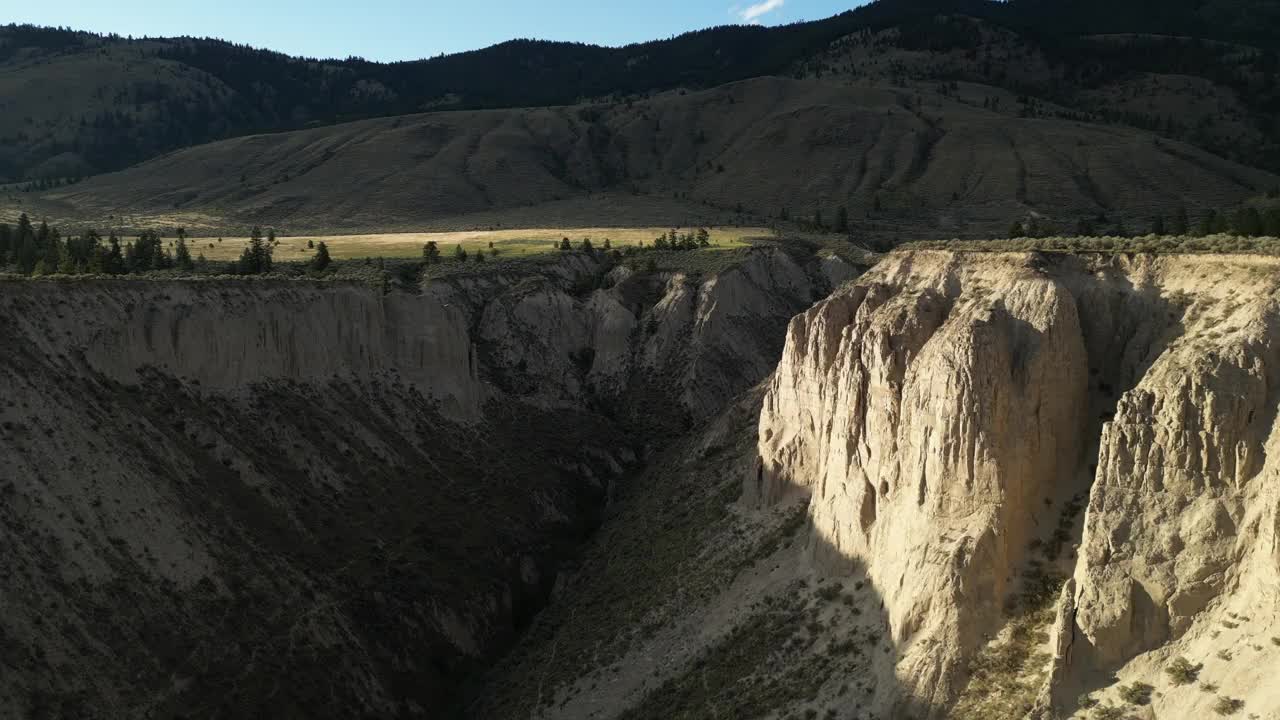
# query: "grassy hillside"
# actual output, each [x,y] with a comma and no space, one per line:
[901,165]
[75,103]
[1219,96]
[506,243]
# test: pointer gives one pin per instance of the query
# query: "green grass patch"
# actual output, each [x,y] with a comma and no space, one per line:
[508,243]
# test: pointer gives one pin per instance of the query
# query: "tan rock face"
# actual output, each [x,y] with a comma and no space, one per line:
[709,338]
[929,415]
[1173,515]
[939,407]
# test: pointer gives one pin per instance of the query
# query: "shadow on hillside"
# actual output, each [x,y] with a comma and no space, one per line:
[884,696]
[629,634]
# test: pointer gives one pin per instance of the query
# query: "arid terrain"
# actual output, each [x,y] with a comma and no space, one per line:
[755,152]
[919,363]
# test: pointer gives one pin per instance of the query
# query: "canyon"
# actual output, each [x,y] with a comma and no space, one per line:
[955,485]
[950,414]
[290,497]
[1010,485]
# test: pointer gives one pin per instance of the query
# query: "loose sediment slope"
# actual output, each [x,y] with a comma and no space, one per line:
[924,163]
[294,499]
[949,414]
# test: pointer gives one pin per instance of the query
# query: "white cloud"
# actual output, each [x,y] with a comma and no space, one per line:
[753,13]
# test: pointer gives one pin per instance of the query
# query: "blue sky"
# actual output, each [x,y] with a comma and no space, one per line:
[409,29]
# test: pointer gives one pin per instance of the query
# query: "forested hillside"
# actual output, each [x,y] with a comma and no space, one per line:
[74,103]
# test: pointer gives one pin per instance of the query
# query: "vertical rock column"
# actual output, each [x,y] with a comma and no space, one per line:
[930,419]
[1184,493]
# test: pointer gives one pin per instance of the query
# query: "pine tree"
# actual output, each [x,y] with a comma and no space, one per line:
[1248,223]
[1157,225]
[479,255]
[842,219]
[1016,231]
[459,254]
[256,259]
[1181,224]
[6,242]
[131,263]
[94,252]
[25,252]
[321,259]
[1221,223]
[49,246]
[703,238]
[565,245]
[586,246]
[66,263]
[1208,223]
[817,218]
[430,252]
[1271,222]
[181,255]
[113,261]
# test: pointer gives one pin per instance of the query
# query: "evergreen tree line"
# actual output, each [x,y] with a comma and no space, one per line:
[29,249]
[272,91]
[1243,222]
[672,240]
[819,223]
[692,240]
[49,183]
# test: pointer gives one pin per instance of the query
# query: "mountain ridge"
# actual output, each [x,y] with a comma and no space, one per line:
[156,95]
[898,165]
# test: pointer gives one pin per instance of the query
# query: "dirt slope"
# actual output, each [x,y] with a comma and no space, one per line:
[297,499]
[982,486]
[933,167]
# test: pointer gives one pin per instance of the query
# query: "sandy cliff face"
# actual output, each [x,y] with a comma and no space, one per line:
[207,488]
[943,411]
[929,414]
[1179,536]
[705,339]
[228,338]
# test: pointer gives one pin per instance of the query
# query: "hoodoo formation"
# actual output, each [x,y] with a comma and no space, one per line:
[921,362]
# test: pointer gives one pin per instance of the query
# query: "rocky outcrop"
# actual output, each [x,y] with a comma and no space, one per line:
[785,144]
[929,414]
[701,339]
[207,487]
[1179,531]
[226,337]
[941,410]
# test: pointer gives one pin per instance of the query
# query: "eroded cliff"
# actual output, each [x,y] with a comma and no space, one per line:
[976,485]
[286,498]
[949,414]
